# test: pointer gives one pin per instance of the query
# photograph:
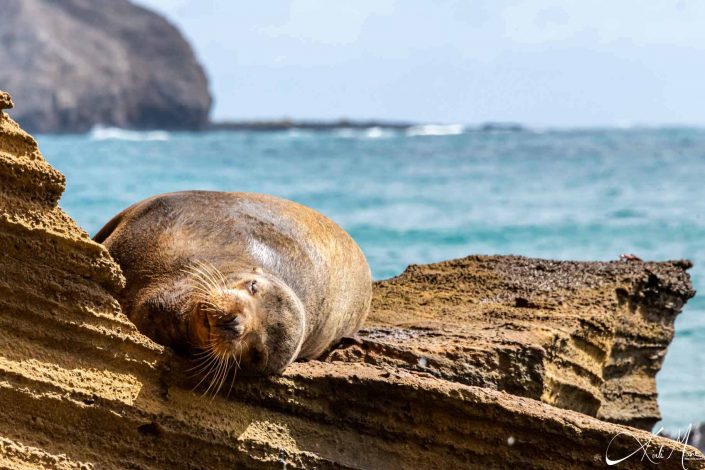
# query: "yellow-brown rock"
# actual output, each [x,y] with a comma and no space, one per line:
[81,388]
[586,336]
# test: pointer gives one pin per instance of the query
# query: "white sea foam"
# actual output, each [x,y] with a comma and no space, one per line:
[115,133]
[436,129]
[375,132]
[378,133]
[297,134]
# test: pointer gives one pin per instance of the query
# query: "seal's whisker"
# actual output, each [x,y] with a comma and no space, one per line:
[198,360]
[216,377]
[201,352]
[202,370]
[203,365]
[205,375]
[211,269]
[213,368]
[203,287]
[223,375]
[210,383]
[209,307]
[223,281]
[198,373]
[209,363]
[239,360]
[201,294]
[205,270]
[205,355]
[196,275]
[214,371]
[212,273]
[219,278]
[203,279]
[235,369]
[232,382]
[202,362]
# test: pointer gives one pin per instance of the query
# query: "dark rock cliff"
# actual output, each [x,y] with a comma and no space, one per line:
[73,64]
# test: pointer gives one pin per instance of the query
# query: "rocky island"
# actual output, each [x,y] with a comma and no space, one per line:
[480,362]
[75,64]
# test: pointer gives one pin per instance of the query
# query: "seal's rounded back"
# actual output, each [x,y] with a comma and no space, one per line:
[155,240]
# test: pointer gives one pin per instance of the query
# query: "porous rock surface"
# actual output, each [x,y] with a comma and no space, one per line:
[81,388]
[74,64]
[583,336]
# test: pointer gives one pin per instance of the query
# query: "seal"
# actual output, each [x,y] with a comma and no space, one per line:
[239,281]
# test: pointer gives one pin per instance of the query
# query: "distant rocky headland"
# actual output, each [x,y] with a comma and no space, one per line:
[75,64]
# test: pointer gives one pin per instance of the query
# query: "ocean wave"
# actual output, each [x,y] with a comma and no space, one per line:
[346,133]
[435,129]
[298,134]
[115,133]
[375,132]
[378,133]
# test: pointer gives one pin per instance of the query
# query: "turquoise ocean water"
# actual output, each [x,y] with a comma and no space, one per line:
[439,193]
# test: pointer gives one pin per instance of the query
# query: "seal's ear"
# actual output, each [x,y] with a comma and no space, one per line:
[257,270]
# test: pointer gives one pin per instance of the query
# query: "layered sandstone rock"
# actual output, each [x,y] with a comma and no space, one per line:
[75,64]
[80,388]
[584,336]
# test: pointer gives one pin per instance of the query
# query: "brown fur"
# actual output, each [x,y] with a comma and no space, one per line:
[187,255]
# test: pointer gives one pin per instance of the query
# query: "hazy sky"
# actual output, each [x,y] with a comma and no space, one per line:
[541,62]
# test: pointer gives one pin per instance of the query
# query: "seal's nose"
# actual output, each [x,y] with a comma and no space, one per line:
[233,324]
[235,306]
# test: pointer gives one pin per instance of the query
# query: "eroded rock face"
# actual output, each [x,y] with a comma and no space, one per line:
[81,388]
[584,336]
[74,64]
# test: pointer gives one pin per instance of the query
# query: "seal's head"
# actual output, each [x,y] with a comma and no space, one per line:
[249,321]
